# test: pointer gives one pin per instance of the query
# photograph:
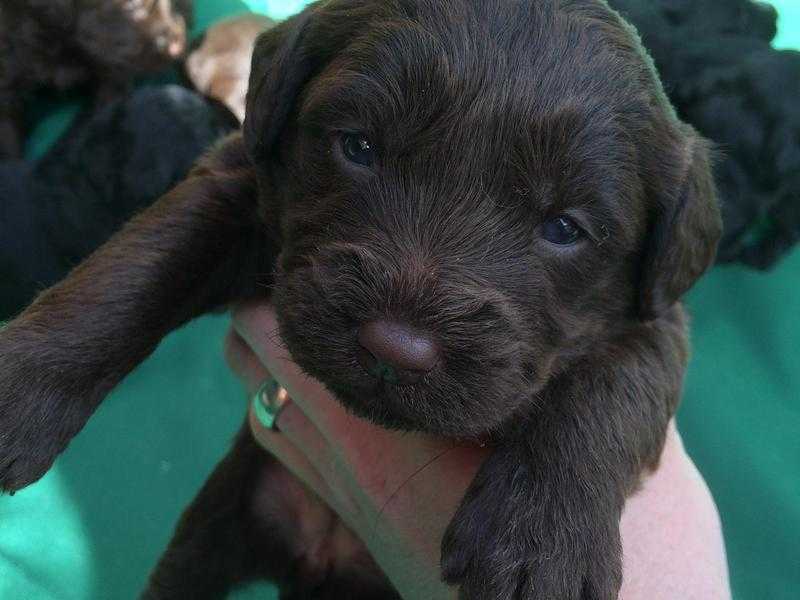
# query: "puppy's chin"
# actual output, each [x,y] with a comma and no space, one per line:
[428,410]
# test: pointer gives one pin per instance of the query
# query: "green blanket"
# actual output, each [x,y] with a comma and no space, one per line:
[95,525]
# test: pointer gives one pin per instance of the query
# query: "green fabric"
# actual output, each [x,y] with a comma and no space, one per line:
[741,420]
[789,23]
[95,525]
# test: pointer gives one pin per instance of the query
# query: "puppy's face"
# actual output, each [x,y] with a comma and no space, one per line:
[464,208]
[143,35]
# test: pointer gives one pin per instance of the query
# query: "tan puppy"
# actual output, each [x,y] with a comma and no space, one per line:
[220,66]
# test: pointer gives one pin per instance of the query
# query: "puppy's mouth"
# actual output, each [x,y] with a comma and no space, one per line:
[404,348]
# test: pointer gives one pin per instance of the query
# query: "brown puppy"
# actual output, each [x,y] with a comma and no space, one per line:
[61,44]
[476,219]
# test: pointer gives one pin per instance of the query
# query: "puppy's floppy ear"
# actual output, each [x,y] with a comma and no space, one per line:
[281,65]
[686,229]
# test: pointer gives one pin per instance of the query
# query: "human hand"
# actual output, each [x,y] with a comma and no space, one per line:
[398,491]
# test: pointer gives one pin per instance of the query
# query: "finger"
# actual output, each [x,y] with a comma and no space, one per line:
[283,444]
[243,362]
[283,448]
[292,424]
[257,325]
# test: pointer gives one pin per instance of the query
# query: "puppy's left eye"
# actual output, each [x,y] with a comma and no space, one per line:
[358,149]
[562,231]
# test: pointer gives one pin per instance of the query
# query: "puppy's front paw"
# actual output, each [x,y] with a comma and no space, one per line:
[41,410]
[518,538]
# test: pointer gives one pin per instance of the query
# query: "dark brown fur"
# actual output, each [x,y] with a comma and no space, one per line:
[61,44]
[490,118]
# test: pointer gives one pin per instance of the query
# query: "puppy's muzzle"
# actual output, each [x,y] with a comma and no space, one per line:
[393,317]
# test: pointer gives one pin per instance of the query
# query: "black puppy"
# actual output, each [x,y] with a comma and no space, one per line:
[500,194]
[724,78]
[61,44]
[109,165]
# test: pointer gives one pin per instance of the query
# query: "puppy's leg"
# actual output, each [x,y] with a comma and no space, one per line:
[218,541]
[541,519]
[196,249]
[254,520]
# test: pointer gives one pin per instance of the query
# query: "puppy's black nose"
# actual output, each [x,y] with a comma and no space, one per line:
[396,353]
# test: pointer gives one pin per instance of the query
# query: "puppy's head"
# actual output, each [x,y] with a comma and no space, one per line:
[135,35]
[471,196]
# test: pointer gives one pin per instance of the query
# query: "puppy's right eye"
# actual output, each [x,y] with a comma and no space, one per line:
[358,149]
[562,231]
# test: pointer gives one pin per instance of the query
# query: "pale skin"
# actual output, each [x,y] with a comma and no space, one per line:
[398,491]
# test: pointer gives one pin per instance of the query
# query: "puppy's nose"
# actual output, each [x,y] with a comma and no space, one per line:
[396,353]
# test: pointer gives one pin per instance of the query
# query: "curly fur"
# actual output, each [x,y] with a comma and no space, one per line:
[725,79]
[61,44]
